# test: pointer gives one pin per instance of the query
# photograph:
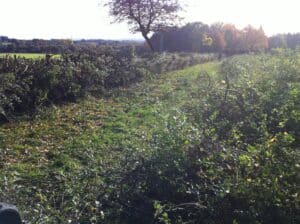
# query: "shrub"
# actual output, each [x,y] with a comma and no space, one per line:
[28,84]
[242,165]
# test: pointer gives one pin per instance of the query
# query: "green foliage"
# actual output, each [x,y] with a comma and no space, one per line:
[231,157]
[218,38]
[28,84]
[214,143]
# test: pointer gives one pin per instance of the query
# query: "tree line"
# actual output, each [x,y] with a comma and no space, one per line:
[285,41]
[192,37]
[54,46]
[221,38]
[58,46]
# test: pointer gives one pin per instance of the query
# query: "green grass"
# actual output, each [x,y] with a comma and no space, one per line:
[27,55]
[135,109]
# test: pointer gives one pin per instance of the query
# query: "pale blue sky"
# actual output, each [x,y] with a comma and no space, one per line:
[86,19]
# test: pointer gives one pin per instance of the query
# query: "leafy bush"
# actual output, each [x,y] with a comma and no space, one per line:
[241,166]
[28,84]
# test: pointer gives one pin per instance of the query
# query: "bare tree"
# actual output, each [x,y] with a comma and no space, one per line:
[145,16]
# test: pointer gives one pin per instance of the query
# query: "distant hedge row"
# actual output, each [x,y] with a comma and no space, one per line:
[165,62]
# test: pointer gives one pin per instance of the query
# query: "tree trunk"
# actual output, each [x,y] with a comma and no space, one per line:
[148,42]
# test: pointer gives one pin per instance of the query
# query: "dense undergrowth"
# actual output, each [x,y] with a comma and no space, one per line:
[214,143]
[26,85]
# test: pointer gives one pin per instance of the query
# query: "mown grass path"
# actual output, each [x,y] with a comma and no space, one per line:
[65,140]
[126,111]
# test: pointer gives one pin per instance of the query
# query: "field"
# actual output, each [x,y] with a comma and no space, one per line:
[214,142]
[27,55]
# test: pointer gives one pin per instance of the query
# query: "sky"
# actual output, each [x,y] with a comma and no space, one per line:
[88,19]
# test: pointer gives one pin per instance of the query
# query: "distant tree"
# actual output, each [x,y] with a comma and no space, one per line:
[252,40]
[192,37]
[216,31]
[232,37]
[219,38]
[277,41]
[293,40]
[145,16]
[285,41]
[196,36]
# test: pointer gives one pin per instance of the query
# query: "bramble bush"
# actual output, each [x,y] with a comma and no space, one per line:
[241,166]
[29,84]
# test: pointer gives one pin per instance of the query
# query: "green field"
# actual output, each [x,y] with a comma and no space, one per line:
[192,141]
[27,55]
